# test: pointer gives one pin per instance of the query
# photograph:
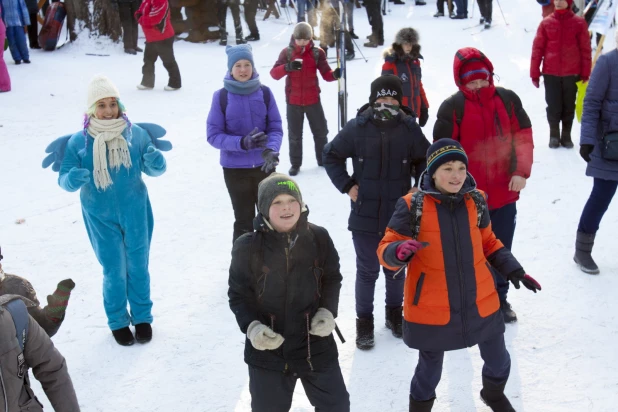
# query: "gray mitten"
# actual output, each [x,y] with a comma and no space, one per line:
[323,323]
[262,337]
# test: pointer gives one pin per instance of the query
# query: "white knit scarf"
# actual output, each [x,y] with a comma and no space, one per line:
[108,133]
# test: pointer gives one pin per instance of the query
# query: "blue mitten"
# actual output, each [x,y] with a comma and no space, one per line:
[75,179]
[154,160]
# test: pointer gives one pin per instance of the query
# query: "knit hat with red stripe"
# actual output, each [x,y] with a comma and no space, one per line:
[444,151]
[473,70]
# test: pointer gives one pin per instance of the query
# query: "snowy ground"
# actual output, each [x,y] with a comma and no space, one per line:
[563,349]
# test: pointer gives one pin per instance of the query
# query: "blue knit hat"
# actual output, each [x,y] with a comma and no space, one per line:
[240,52]
[444,151]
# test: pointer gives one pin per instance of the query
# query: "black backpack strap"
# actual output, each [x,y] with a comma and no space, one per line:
[19,313]
[416,212]
[223,100]
[459,101]
[316,55]
[513,104]
[321,241]
[481,205]
[266,96]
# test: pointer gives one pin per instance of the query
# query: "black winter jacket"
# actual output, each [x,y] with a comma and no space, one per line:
[285,294]
[385,156]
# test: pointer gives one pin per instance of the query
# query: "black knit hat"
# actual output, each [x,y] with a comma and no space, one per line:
[443,151]
[384,86]
[273,186]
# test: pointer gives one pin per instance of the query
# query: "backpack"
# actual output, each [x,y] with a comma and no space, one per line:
[315,50]
[459,101]
[223,99]
[19,312]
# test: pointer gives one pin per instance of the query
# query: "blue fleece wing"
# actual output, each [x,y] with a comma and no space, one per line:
[56,151]
[156,132]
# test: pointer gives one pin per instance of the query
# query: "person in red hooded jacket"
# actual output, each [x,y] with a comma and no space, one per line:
[495,131]
[562,43]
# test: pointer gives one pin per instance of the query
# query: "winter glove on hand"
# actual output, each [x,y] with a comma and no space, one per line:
[255,139]
[153,159]
[422,121]
[76,178]
[408,248]
[535,82]
[293,66]
[527,280]
[57,302]
[138,15]
[271,160]
[337,73]
[585,150]
[322,323]
[262,337]
[584,79]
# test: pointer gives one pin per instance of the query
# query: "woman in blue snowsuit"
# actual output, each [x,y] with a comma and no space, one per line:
[106,161]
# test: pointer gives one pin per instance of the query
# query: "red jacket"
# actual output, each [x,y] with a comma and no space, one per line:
[562,42]
[409,71]
[499,145]
[301,87]
[154,17]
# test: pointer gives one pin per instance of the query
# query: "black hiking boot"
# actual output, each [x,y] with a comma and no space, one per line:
[394,320]
[294,170]
[353,35]
[565,139]
[554,142]
[487,25]
[421,406]
[124,336]
[508,313]
[583,253]
[364,333]
[253,37]
[439,14]
[420,3]
[493,396]
[223,39]
[143,332]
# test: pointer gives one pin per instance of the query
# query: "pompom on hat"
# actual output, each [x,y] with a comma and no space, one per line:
[474,70]
[240,52]
[99,88]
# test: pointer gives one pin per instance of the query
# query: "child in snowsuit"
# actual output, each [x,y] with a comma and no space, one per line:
[16,19]
[562,43]
[402,60]
[5,80]
[434,232]
[244,123]
[284,291]
[154,17]
[300,61]
[115,205]
[388,149]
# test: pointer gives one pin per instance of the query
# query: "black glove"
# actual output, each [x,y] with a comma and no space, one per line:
[271,160]
[337,73]
[585,150]
[138,15]
[527,280]
[422,121]
[293,66]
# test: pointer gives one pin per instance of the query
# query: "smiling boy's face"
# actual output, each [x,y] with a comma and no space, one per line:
[450,177]
[284,213]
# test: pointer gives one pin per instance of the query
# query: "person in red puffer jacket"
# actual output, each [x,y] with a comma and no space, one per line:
[562,43]
[154,17]
[300,61]
[495,131]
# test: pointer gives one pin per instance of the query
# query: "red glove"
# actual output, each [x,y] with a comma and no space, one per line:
[526,279]
[408,248]
[535,82]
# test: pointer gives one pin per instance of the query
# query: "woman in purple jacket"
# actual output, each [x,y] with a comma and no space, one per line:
[244,123]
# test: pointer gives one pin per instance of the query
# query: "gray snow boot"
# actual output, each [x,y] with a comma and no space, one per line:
[421,406]
[583,253]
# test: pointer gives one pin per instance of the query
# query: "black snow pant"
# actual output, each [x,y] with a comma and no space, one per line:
[165,50]
[560,94]
[272,391]
[440,4]
[242,185]
[319,128]
[485,7]
[374,14]
[250,12]
[234,6]
[129,24]
[33,32]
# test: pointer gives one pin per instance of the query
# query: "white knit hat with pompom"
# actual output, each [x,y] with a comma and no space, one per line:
[99,88]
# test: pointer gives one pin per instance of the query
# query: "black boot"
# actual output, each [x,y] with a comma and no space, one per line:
[124,336]
[493,396]
[294,170]
[143,332]
[349,55]
[487,24]
[240,39]
[421,406]
[253,37]
[565,139]
[508,313]
[583,253]
[394,320]
[364,333]
[353,35]
[554,136]
[420,2]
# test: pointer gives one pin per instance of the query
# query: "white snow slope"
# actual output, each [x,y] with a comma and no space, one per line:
[563,349]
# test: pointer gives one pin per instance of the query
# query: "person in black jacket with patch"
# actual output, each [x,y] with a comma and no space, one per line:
[387,148]
[284,291]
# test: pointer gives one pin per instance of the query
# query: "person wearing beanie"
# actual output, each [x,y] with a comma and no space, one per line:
[494,129]
[5,79]
[284,285]
[245,125]
[387,148]
[300,62]
[402,60]
[105,162]
[565,59]
[234,6]
[452,302]
[16,19]
[154,17]
[330,24]
[599,121]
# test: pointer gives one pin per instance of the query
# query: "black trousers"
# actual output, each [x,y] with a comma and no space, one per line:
[317,123]
[374,14]
[560,94]
[250,12]
[165,50]
[128,22]
[272,391]
[33,32]
[242,185]
[440,4]
[222,6]
[485,7]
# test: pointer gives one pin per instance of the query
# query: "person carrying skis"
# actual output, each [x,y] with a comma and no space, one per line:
[402,60]
[562,44]
[300,62]
[284,288]
[388,149]
[443,235]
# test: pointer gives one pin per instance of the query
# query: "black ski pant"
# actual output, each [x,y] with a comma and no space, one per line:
[234,6]
[560,94]
[165,50]
[485,7]
[374,14]
[242,185]
[250,12]
[129,24]
[317,123]
[272,391]
[33,32]
[440,4]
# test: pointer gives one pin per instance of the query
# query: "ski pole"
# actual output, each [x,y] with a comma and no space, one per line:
[500,7]
[472,15]
[339,333]
[359,50]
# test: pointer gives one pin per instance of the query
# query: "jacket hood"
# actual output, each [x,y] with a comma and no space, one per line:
[468,54]
[427,185]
